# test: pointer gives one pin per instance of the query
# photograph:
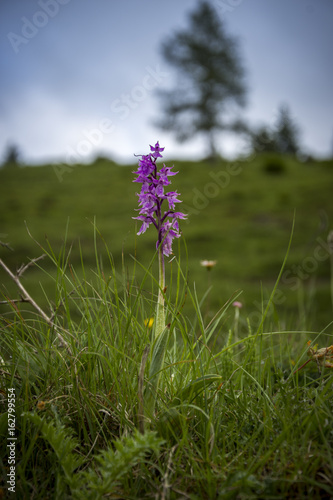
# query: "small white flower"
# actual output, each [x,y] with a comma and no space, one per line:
[208,264]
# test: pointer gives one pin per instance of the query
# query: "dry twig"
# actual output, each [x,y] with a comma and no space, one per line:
[23,268]
[6,246]
[26,297]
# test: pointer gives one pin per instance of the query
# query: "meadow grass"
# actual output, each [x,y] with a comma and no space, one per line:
[244,223]
[233,417]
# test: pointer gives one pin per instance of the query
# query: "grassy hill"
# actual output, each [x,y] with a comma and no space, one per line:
[244,406]
[240,214]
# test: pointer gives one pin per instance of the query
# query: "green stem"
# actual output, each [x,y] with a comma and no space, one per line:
[161,337]
[160,310]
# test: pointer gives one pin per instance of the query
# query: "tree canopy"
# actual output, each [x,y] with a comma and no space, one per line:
[282,138]
[12,156]
[210,79]
[286,132]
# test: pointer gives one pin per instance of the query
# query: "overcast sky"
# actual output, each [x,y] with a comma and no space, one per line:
[78,76]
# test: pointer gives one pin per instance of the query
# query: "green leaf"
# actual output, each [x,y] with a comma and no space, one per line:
[62,442]
[114,464]
[156,366]
[196,386]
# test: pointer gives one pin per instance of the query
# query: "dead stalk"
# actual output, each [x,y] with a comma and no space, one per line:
[26,297]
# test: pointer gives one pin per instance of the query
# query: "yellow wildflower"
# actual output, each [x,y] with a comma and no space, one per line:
[149,322]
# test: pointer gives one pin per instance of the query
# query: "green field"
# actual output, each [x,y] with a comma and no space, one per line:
[240,214]
[219,403]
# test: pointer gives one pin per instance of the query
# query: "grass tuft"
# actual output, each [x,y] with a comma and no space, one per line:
[217,407]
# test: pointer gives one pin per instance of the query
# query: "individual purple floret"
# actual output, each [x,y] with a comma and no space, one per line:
[152,197]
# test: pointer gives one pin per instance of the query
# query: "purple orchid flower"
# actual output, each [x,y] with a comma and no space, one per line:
[152,197]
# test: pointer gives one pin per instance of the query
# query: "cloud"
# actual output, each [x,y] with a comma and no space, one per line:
[66,80]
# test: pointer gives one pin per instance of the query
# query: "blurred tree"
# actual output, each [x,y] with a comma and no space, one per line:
[286,134]
[262,140]
[210,79]
[12,156]
[282,138]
